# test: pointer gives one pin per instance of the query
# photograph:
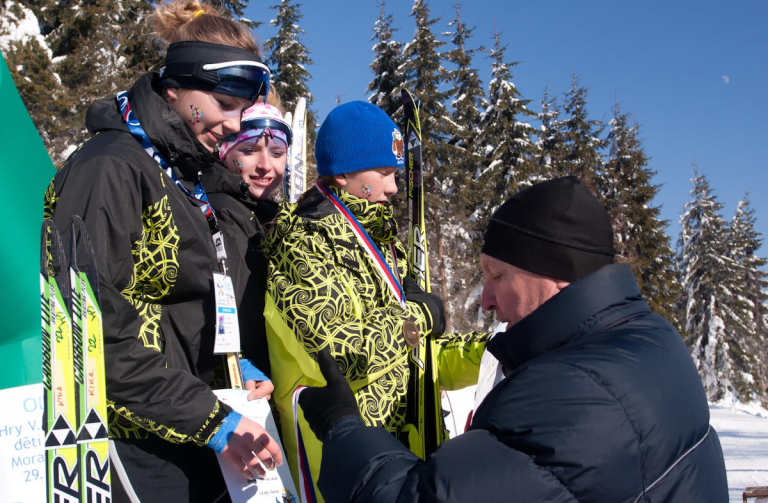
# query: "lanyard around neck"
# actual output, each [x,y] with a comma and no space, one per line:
[392,281]
[200,198]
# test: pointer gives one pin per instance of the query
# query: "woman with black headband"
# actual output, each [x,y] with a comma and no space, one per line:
[137,185]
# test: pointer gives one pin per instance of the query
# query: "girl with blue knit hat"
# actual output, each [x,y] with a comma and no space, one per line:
[336,280]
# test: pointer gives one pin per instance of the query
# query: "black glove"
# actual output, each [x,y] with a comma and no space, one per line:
[323,406]
[428,301]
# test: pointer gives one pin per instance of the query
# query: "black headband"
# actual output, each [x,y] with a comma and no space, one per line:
[184,64]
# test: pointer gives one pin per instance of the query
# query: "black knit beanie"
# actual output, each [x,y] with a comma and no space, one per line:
[555,228]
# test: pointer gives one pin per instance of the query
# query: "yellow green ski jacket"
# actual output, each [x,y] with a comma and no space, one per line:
[323,290]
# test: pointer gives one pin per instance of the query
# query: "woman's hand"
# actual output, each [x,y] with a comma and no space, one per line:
[249,444]
[259,389]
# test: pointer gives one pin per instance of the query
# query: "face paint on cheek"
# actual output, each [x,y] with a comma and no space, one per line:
[197,113]
[238,166]
[366,189]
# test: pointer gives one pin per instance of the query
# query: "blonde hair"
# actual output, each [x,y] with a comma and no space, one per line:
[181,21]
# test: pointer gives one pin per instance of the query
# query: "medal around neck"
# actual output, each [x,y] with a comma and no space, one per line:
[411,333]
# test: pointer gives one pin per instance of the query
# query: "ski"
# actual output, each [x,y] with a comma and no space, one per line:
[60,413]
[295,180]
[287,174]
[95,480]
[424,403]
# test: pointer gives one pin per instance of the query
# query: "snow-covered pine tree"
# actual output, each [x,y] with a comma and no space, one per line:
[583,145]
[289,58]
[28,56]
[426,76]
[388,59]
[707,275]
[748,327]
[467,107]
[235,9]
[84,51]
[639,235]
[469,101]
[466,111]
[550,142]
[505,145]
[505,137]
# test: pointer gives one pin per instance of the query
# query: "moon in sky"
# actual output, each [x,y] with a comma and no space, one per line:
[726,79]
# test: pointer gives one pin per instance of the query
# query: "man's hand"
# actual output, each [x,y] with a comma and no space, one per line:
[259,389]
[323,406]
[249,444]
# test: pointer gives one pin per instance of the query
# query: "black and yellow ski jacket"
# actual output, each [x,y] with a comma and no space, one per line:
[324,291]
[155,260]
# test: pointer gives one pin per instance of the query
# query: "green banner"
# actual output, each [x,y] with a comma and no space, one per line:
[25,170]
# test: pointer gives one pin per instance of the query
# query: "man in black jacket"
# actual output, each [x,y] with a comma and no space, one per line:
[600,401]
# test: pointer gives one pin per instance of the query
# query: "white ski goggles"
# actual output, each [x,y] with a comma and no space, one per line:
[256,128]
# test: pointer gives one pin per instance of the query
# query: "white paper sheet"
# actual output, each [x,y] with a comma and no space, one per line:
[277,486]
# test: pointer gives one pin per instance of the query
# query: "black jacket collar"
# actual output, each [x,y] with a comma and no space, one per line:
[164,127]
[219,180]
[584,308]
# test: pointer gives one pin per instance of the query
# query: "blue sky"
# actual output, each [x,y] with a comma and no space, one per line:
[694,72]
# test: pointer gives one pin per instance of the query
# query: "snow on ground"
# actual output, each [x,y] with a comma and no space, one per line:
[744,438]
[743,435]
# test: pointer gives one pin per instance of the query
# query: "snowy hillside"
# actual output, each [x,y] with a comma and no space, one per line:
[744,438]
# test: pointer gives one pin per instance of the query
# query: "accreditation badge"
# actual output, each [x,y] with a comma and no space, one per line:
[227,327]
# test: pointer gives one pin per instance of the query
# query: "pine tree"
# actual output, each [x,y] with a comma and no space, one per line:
[235,9]
[425,76]
[505,138]
[28,57]
[288,59]
[388,78]
[505,144]
[639,235]
[468,96]
[95,49]
[582,134]
[748,325]
[707,273]
[467,108]
[550,142]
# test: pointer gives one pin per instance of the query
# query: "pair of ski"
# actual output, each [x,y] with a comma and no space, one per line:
[424,406]
[75,408]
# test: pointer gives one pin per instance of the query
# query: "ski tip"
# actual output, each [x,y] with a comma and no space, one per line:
[408,96]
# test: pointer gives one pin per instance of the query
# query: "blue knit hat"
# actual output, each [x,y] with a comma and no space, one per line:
[357,136]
